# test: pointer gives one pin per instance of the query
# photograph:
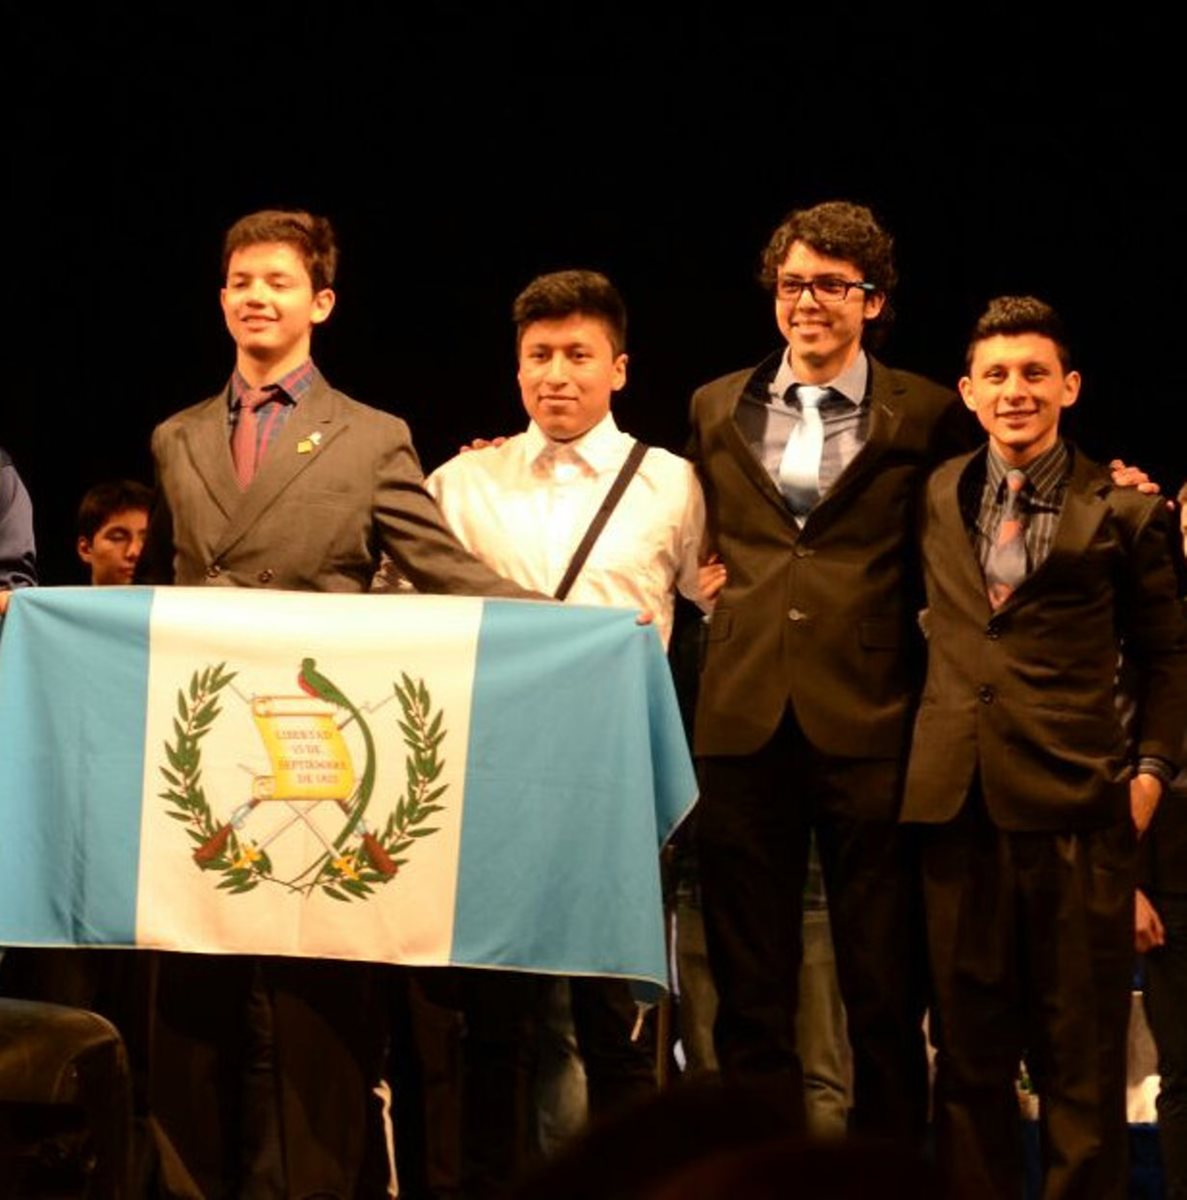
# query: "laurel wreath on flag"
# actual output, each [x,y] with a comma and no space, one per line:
[243,865]
[196,714]
[423,735]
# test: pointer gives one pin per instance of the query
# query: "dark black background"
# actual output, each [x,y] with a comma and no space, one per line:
[461,149]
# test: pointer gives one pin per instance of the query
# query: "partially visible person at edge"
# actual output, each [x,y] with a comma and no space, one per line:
[18,554]
[1160,928]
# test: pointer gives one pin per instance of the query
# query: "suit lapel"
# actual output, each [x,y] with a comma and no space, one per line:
[947,512]
[750,462]
[1083,510]
[209,443]
[304,438]
[886,416]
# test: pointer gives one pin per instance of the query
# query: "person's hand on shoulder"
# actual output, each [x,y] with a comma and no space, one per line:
[482,444]
[1132,477]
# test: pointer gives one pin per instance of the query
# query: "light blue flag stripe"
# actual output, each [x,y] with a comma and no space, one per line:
[70,860]
[548,877]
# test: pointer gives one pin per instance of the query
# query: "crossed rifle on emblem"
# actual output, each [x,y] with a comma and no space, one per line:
[309,720]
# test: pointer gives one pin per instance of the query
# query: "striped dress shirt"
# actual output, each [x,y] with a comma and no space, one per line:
[274,412]
[1041,501]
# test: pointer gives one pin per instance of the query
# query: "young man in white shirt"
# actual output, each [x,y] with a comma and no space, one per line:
[523,507]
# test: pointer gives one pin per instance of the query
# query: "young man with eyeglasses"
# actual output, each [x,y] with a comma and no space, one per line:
[812,463]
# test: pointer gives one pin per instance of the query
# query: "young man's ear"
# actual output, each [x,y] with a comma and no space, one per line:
[85,552]
[323,305]
[964,385]
[1071,389]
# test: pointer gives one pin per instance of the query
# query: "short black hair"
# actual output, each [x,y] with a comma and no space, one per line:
[312,237]
[562,294]
[843,230]
[1010,316]
[104,500]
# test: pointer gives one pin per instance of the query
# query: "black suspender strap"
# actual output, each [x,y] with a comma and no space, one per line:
[633,459]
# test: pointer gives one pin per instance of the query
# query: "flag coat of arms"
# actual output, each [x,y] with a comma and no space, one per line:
[428,780]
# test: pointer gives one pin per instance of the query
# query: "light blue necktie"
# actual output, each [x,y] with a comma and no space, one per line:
[799,469]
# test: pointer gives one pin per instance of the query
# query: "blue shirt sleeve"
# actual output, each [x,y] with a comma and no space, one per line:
[18,558]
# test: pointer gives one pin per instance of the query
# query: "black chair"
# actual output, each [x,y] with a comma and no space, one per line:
[65,1103]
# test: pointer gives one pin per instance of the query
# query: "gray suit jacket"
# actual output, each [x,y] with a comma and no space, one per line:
[341,484]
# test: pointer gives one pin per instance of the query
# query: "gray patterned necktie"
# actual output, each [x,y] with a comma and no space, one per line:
[1005,565]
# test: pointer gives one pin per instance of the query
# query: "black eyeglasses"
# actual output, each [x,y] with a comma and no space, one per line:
[828,289]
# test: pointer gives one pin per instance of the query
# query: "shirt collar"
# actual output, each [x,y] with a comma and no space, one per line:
[1044,475]
[851,383]
[599,447]
[290,387]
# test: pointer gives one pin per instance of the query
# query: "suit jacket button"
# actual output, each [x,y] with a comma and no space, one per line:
[803,551]
[985,694]
[993,630]
[796,615]
[213,571]
[265,576]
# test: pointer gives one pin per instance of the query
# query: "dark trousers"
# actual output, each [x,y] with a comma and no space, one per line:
[1166,1010]
[498,1053]
[1031,942]
[263,1070]
[755,817]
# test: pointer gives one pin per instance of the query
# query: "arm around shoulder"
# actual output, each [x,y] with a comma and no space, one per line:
[413,532]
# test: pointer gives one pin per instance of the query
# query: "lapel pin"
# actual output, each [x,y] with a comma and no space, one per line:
[306,445]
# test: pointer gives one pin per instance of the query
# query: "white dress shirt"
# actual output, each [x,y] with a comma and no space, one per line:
[523,507]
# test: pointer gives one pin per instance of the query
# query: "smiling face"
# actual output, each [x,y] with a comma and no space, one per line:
[1018,387]
[114,551]
[824,338]
[568,372]
[271,308]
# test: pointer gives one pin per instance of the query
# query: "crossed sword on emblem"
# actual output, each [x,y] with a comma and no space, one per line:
[262,789]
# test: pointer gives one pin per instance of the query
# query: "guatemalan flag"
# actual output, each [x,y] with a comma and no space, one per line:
[429,780]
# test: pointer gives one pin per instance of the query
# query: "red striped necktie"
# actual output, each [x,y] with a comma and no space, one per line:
[244,441]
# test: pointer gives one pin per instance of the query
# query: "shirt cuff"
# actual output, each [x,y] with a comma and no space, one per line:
[1160,768]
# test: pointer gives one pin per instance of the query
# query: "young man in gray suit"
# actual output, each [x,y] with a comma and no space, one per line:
[280,481]
[277,443]
[1039,571]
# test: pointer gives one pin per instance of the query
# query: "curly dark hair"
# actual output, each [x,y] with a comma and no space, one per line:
[840,230]
[562,294]
[1011,315]
[312,237]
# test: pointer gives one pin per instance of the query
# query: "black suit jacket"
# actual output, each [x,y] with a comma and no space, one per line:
[1026,695]
[821,618]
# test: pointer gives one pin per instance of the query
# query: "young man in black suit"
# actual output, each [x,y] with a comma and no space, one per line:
[1038,571]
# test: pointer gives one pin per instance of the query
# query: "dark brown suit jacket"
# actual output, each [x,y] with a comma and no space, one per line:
[1026,695]
[341,484]
[821,618]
